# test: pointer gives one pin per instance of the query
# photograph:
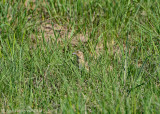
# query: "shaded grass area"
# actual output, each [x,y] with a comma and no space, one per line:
[36,74]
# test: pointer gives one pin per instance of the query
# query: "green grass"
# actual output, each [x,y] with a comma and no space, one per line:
[39,75]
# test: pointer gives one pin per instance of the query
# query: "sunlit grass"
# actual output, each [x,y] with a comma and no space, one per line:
[39,73]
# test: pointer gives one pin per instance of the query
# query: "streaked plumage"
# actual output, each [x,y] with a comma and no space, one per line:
[81,61]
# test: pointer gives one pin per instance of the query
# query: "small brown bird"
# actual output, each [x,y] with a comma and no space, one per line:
[81,62]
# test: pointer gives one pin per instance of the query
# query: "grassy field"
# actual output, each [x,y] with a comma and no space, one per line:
[120,40]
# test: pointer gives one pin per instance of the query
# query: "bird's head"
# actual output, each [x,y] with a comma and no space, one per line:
[79,54]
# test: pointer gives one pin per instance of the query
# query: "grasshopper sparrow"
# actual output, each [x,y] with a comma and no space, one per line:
[81,61]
